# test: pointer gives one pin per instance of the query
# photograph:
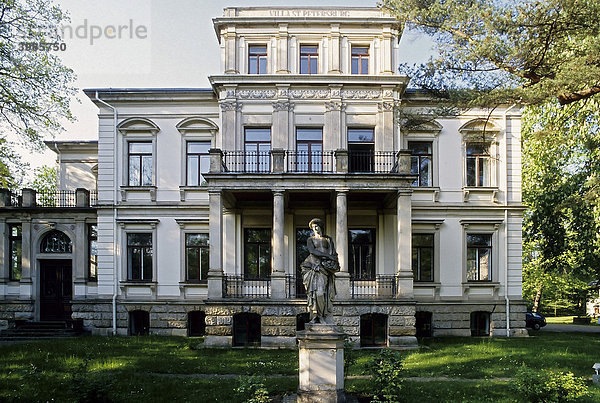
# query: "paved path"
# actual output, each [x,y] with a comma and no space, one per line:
[554,327]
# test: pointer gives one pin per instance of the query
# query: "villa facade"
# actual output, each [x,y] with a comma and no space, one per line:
[189,215]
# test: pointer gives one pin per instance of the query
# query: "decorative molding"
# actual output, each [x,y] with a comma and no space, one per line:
[183,222]
[335,106]
[283,106]
[361,94]
[227,106]
[254,94]
[152,222]
[386,106]
[309,94]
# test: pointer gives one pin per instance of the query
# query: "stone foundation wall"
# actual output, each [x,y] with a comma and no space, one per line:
[454,319]
[11,311]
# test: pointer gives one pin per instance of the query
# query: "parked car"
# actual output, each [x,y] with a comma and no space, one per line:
[534,320]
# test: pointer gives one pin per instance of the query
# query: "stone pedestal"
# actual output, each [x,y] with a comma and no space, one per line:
[321,366]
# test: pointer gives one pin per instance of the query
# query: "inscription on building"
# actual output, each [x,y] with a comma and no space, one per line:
[308,13]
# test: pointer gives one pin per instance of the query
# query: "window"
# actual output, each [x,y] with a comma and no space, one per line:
[140,164]
[257,59]
[257,253]
[423,323]
[56,242]
[139,256]
[257,149]
[246,329]
[478,164]
[373,330]
[479,257]
[360,60]
[15,242]
[139,323]
[420,162]
[309,146]
[361,146]
[198,162]
[309,57]
[92,252]
[361,253]
[422,257]
[196,323]
[196,257]
[302,235]
[480,324]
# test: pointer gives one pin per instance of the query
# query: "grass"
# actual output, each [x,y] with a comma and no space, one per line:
[567,320]
[167,368]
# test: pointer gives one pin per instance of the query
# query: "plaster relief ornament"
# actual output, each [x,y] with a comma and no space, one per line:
[318,273]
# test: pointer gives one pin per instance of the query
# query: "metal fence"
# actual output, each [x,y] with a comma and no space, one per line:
[16,198]
[372,161]
[294,287]
[247,161]
[240,287]
[59,198]
[378,287]
[310,162]
[93,197]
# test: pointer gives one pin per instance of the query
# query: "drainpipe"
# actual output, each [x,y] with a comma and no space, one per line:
[115,240]
[506,299]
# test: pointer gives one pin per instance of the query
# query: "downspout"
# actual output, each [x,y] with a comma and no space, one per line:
[115,238]
[506,298]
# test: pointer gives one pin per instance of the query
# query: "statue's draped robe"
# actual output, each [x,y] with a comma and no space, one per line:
[318,275]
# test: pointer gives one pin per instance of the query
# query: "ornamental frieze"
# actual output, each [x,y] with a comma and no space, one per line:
[283,106]
[230,106]
[361,94]
[309,94]
[335,106]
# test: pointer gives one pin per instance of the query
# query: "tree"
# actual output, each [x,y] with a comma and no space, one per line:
[514,51]
[45,179]
[561,171]
[34,84]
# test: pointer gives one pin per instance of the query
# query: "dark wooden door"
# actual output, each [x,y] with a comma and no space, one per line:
[56,289]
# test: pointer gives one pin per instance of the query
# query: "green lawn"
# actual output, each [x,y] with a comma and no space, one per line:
[566,320]
[166,368]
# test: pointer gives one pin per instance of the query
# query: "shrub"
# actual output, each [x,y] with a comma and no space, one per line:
[546,386]
[387,376]
[349,355]
[252,389]
[88,387]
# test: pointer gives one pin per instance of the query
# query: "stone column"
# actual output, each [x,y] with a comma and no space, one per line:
[215,233]
[404,249]
[27,265]
[230,51]
[82,197]
[29,197]
[282,45]
[216,160]
[342,278]
[278,273]
[80,259]
[386,51]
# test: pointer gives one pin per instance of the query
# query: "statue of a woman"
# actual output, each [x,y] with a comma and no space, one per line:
[318,273]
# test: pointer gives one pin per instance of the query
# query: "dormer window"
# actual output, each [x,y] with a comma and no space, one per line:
[257,59]
[309,58]
[360,60]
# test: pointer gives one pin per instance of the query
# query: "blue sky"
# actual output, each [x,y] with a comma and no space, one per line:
[162,44]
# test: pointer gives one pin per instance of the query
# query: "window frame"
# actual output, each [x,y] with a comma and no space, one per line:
[310,56]
[364,151]
[13,238]
[419,157]
[200,248]
[129,263]
[257,162]
[200,156]
[68,248]
[361,57]
[477,248]
[140,155]
[310,167]
[259,57]
[478,159]
[417,274]
[245,262]
[351,269]
[92,262]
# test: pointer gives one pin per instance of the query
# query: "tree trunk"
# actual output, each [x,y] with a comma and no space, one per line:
[536,300]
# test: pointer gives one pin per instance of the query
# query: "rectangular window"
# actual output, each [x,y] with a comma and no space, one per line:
[479,257]
[478,164]
[257,253]
[139,256]
[15,241]
[198,162]
[422,257]
[361,251]
[309,146]
[309,58]
[92,252]
[421,162]
[257,59]
[361,150]
[140,164]
[196,257]
[360,60]
[257,147]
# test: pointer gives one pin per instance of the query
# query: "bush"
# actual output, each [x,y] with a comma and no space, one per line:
[387,376]
[546,386]
[252,389]
[88,387]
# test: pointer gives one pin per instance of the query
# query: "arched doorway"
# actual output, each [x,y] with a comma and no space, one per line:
[56,285]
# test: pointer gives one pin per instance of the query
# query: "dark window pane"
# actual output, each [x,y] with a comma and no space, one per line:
[196,239]
[478,149]
[193,263]
[147,273]
[479,239]
[204,254]
[139,239]
[419,147]
[471,178]
[360,135]
[56,242]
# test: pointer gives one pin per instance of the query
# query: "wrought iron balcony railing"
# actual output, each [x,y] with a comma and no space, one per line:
[380,286]
[309,162]
[53,199]
[240,287]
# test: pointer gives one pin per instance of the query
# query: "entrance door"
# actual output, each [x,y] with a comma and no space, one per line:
[56,290]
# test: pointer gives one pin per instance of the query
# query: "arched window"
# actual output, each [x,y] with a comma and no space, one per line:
[56,242]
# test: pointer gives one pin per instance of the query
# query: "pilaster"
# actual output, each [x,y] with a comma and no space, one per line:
[342,278]
[404,248]
[215,233]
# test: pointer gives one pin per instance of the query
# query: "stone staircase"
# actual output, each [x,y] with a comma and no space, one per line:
[29,331]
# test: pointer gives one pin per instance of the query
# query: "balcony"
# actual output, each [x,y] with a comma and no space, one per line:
[380,286]
[80,198]
[321,162]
